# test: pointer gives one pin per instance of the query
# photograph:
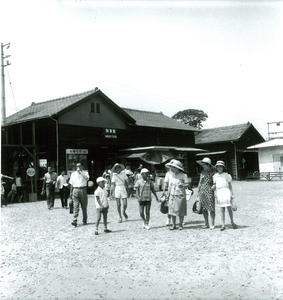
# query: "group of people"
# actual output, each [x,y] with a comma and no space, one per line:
[214,189]
[16,191]
[120,183]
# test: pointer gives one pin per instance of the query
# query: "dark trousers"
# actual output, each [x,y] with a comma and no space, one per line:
[50,194]
[64,193]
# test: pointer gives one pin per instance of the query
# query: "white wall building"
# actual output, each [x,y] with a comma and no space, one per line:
[270,155]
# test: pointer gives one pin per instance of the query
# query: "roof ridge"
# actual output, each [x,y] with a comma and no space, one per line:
[235,125]
[61,98]
[149,111]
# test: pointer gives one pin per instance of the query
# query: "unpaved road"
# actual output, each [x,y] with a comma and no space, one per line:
[44,257]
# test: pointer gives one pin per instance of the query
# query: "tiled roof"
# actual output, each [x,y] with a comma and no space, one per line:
[221,134]
[155,119]
[50,108]
[45,109]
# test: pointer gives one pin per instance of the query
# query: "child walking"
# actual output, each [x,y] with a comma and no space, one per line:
[144,187]
[101,203]
[222,184]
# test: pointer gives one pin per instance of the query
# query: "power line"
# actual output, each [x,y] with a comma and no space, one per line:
[12,90]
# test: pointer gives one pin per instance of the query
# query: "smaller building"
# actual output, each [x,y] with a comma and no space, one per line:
[270,155]
[230,144]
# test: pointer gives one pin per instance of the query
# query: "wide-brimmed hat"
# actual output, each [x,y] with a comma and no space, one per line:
[220,163]
[167,164]
[205,160]
[144,170]
[176,164]
[116,166]
[100,179]
[128,172]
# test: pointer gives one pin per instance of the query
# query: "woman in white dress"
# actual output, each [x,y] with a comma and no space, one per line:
[178,181]
[222,184]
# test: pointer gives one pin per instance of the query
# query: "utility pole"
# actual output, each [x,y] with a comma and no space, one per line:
[4,63]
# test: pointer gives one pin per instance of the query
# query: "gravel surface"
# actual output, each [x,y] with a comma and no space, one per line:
[44,257]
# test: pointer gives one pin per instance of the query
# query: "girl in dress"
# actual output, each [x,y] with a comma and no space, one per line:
[206,193]
[178,181]
[222,184]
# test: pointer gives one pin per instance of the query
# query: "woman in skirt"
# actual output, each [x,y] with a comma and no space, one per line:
[177,184]
[206,193]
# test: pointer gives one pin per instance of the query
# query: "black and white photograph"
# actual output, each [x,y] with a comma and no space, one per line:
[141,149]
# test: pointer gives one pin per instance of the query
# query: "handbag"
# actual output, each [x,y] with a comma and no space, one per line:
[164,207]
[197,208]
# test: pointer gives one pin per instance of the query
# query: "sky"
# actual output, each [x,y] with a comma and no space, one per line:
[224,57]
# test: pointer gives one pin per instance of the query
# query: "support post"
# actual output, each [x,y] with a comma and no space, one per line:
[236,161]
[35,158]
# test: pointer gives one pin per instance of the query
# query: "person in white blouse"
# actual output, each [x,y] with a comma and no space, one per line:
[78,192]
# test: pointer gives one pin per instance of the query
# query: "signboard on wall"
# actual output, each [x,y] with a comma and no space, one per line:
[73,156]
[110,133]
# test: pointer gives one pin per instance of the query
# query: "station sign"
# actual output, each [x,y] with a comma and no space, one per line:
[110,133]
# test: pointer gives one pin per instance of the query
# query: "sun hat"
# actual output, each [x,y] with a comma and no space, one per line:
[176,164]
[220,163]
[118,165]
[144,170]
[100,179]
[167,165]
[128,172]
[205,160]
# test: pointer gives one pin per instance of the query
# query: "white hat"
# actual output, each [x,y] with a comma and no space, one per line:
[100,179]
[128,172]
[220,163]
[176,164]
[144,170]
[205,160]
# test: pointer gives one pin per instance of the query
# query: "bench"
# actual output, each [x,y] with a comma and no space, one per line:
[271,175]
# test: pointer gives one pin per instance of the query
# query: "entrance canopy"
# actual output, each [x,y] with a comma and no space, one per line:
[155,155]
[211,153]
[163,148]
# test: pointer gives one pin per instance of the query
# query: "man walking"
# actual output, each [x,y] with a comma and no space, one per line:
[62,185]
[78,193]
[49,182]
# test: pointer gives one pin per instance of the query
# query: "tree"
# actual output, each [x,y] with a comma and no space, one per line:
[192,117]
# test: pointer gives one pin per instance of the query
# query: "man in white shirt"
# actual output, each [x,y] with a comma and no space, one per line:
[78,192]
[49,182]
[62,185]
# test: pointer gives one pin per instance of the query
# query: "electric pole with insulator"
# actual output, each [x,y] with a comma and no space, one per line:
[4,63]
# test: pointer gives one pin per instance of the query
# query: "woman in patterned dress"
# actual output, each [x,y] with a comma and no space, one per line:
[178,181]
[206,193]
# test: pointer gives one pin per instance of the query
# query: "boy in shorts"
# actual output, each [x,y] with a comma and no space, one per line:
[101,204]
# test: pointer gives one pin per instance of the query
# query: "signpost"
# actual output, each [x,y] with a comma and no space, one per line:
[32,195]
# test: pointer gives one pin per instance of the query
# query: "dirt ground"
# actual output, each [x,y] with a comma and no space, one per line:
[44,257]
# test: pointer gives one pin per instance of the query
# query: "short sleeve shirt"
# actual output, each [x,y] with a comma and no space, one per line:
[77,180]
[102,194]
[144,188]
[119,179]
[222,180]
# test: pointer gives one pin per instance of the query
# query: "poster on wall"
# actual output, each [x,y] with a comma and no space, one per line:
[73,156]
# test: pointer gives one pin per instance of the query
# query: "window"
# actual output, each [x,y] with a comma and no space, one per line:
[97,108]
[92,107]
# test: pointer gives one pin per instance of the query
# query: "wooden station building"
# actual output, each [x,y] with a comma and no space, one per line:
[230,144]
[91,128]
